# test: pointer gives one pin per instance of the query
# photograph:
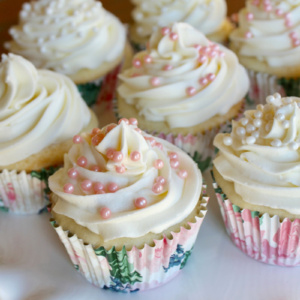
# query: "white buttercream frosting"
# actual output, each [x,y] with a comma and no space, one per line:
[172,204]
[205,15]
[183,79]
[37,108]
[261,155]
[270,32]
[67,36]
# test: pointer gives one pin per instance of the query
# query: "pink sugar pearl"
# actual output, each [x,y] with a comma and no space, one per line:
[173,155]
[137,63]
[173,36]
[98,187]
[135,156]
[211,76]
[183,174]
[249,16]
[95,131]
[69,188]
[203,81]
[105,213]
[157,188]
[159,145]
[148,59]
[155,81]
[191,91]
[82,161]
[165,30]
[248,35]
[138,130]
[167,68]
[151,140]
[117,156]
[140,202]
[77,139]
[133,121]
[124,120]
[95,168]
[112,187]
[202,58]
[160,179]
[174,163]
[158,164]
[110,153]
[96,139]
[73,173]
[120,169]
[86,185]
[110,127]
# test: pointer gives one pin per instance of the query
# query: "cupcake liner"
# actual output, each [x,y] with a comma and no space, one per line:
[264,238]
[263,85]
[101,89]
[23,193]
[199,146]
[138,269]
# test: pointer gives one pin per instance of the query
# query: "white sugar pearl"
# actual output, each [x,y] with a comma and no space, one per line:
[250,128]
[43,49]
[139,16]
[286,124]
[257,122]
[40,40]
[280,117]
[277,96]
[52,37]
[259,107]
[244,121]
[227,140]
[250,140]
[276,143]
[258,114]
[270,99]
[23,14]
[255,134]
[26,6]
[49,11]
[240,131]
[293,146]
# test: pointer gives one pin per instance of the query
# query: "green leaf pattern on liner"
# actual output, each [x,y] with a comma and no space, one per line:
[290,86]
[203,164]
[89,92]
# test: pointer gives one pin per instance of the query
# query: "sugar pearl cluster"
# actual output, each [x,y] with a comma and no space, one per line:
[256,125]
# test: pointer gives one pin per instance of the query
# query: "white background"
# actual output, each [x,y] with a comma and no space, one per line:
[34,265]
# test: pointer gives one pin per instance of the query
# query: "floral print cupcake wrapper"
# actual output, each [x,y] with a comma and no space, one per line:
[263,85]
[138,269]
[100,91]
[23,193]
[264,238]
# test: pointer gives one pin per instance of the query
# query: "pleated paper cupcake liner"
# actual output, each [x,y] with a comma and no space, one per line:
[23,193]
[263,85]
[262,237]
[199,146]
[138,269]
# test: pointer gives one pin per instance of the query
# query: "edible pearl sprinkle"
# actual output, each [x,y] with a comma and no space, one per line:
[293,146]
[276,143]
[240,131]
[227,140]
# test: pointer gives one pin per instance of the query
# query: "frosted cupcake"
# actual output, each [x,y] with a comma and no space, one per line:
[267,44]
[124,204]
[79,39]
[208,17]
[40,112]
[257,172]
[184,88]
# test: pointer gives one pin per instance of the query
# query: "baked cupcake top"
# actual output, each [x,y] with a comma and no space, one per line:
[67,36]
[183,79]
[269,31]
[121,182]
[207,16]
[37,108]
[261,155]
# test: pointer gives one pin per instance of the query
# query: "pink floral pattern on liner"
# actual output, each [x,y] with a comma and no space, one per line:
[21,193]
[144,268]
[265,238]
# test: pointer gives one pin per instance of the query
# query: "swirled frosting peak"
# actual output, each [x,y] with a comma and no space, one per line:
[261,155]
[205,15]
[269,31]
[121,182]
[37,108]
[67,36]
[182,78]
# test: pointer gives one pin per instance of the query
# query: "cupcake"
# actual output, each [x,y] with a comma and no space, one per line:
[79,39]
[257,181]
[184,88]
[267,44]
[40,112]
[127,207]
[207,16]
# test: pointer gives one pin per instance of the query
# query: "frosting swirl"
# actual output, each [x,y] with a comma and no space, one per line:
[183,79]
[270,32]
[119,177]
[37,108]
[205,15]
[67,36]
[261,155]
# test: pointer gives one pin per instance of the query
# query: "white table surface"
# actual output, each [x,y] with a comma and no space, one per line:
[34,265]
